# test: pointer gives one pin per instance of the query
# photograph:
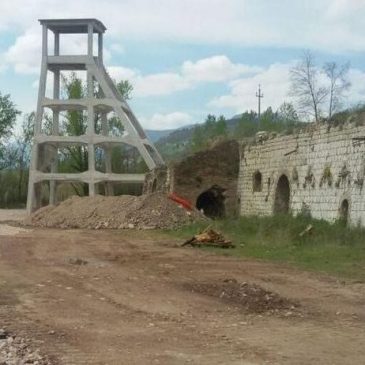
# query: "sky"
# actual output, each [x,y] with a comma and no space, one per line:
[188,58]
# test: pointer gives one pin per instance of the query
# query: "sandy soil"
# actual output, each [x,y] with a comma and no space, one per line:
[134,297]
[12,215]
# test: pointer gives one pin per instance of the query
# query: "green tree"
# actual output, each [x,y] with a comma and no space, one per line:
[221,126]
[210,126]
[197,139]
[287,113]
[75,124]
[125,89]
[75,158]
[8,115]
[268,121]
[23,143]
[247,125]
[13,179]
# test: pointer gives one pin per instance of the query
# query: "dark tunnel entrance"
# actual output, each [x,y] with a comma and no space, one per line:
[211,202]
[344,212]
[282,196]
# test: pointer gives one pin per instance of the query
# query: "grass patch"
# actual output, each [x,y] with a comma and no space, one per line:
[330,248]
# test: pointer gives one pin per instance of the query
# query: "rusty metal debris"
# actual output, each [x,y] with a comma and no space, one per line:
[209,237]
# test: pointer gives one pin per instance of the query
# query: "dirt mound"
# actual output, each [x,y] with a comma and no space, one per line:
[251,297]
[117,212]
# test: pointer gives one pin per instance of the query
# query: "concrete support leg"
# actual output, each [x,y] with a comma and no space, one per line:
[109,188]
[31,200]
[90,127]
[55,128]
[91,162]
[108,169]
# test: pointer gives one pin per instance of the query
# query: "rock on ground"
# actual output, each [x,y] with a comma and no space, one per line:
[16,351]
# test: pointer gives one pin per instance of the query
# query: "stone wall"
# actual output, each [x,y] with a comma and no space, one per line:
[324,168]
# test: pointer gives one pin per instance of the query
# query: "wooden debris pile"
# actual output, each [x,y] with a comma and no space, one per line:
[209,237]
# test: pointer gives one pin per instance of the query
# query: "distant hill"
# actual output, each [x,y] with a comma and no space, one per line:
[174,145]
[184,134]
[155,135]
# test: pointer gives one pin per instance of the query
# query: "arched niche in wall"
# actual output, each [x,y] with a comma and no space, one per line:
[257,182]
[282,196]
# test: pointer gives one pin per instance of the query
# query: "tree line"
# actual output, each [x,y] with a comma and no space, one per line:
[285,118]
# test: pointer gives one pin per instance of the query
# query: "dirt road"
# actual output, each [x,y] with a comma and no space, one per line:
[129,297]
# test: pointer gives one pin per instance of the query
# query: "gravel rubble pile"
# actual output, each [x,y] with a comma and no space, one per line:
[151,211]
[16,351]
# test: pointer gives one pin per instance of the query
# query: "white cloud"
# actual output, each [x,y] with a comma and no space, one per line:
[212,69]
[149,85]
[166,121]
[25,53]
[328,24]
[216,68]
[160,84]
[117,48]
[275,84]
[25,57]
[122,73]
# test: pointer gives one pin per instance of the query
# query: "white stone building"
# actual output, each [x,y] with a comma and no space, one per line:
[320,170]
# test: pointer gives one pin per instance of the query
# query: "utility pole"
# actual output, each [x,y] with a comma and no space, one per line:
[259,95]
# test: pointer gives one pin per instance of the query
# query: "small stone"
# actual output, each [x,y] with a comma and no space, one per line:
[3,334]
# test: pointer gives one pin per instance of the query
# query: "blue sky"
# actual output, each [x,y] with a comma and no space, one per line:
[188,58]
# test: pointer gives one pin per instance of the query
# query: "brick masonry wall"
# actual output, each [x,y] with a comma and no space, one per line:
[324,167]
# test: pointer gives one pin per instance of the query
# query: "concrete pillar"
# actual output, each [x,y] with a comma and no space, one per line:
[55,122]
[109,188]
[90,128]
[90,40]
[100,48]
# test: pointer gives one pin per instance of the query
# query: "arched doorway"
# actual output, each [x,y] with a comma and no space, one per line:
[257,182]
[344,211]
[282,196]
[211,202]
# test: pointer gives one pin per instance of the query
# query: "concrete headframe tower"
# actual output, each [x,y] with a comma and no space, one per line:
[44,158]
